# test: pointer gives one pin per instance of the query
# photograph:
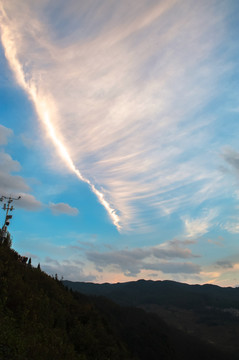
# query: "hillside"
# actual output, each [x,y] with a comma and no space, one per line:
[41,319]
[209,312]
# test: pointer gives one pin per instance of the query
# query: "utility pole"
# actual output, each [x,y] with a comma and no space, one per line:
[7,207]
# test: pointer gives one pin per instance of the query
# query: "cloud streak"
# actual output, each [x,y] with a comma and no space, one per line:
[197,227]
[118,102]
[45,107]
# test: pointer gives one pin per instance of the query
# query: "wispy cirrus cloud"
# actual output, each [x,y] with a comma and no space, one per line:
[118,101]
[199,226]
[232,226]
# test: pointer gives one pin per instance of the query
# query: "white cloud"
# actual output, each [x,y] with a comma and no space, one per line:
[126,122]
[232,227]
[63,208]
[199,226]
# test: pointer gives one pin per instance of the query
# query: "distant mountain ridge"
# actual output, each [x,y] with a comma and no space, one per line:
[209,312]
[135,293]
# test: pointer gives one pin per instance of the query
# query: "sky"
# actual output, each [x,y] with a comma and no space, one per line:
[119,130]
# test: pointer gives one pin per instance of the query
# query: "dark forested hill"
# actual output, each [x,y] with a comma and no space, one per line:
[41,319]
[209,312]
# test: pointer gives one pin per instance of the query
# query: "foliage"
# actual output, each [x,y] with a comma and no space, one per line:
[41,319]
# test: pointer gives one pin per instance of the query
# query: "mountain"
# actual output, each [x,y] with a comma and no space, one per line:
[41,319]
[166,292]
[208,312]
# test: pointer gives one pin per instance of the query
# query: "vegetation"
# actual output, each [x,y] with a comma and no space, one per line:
[41,319]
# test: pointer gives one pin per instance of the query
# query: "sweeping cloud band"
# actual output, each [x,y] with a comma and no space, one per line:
[44,108]
[124,97]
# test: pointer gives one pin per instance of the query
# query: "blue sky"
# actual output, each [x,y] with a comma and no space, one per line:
[119,129]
